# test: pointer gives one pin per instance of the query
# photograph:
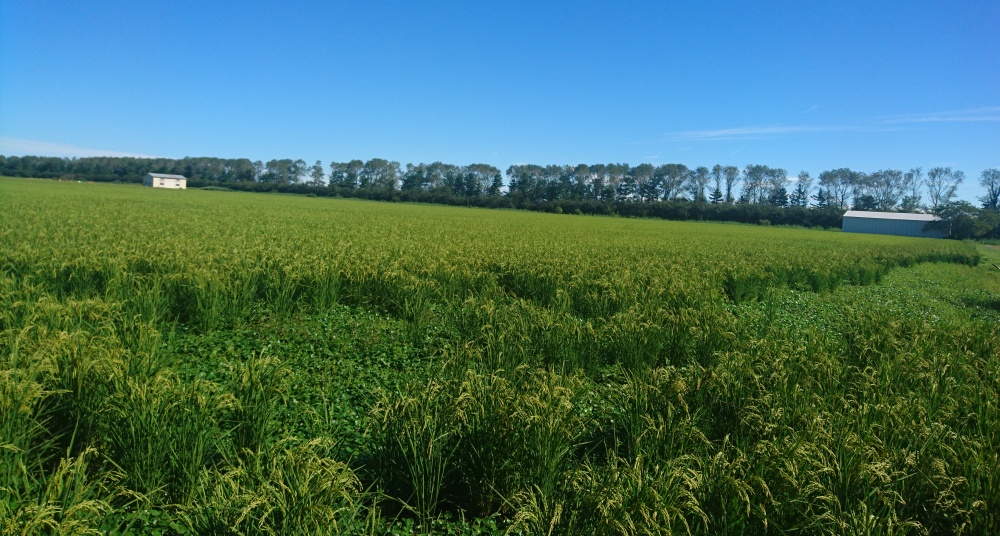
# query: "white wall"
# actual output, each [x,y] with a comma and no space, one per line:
[157,182]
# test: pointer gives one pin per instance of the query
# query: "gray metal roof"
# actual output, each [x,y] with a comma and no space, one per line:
[910,216]
[166,176]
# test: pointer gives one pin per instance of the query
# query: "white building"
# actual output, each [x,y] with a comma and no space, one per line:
[890,223]
[162,180]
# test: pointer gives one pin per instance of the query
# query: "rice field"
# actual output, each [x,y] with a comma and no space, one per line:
[205,362]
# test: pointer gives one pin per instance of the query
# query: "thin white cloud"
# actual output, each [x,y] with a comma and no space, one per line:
[885,124]
[15,146]
[744,133]
[972,115]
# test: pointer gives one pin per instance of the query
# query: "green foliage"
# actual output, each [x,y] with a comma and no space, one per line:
[289,488]
[241,364]
[965,221]
[160,433]
[67,501]
[416,438]
[259,386]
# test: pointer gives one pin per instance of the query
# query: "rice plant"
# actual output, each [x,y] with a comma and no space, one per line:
[252,364]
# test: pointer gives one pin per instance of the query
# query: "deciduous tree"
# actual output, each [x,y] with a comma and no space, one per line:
[316,174]
[646,187]
[837,183]
[942,183]
[379,173]
[964,220]
[887,188]
[913,181]
[777,186]
[671,179]
[732,176]
[990,179]
[754,183]
[698,182]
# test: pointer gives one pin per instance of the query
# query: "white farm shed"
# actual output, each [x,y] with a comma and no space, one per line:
[890,223]
[162,180]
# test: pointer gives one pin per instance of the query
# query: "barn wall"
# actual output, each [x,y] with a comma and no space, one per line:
[889,227]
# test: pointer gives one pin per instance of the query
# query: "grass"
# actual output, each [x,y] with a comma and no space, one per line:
[209,362]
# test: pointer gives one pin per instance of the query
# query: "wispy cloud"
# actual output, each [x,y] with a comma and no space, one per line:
[749,133]
[972,115]
[16,146]
[884,124]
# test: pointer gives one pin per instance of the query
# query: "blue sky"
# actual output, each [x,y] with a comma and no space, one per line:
[800,85]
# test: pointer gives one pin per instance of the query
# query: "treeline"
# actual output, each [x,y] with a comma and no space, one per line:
[676,209]
[128,169]
[753,194]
